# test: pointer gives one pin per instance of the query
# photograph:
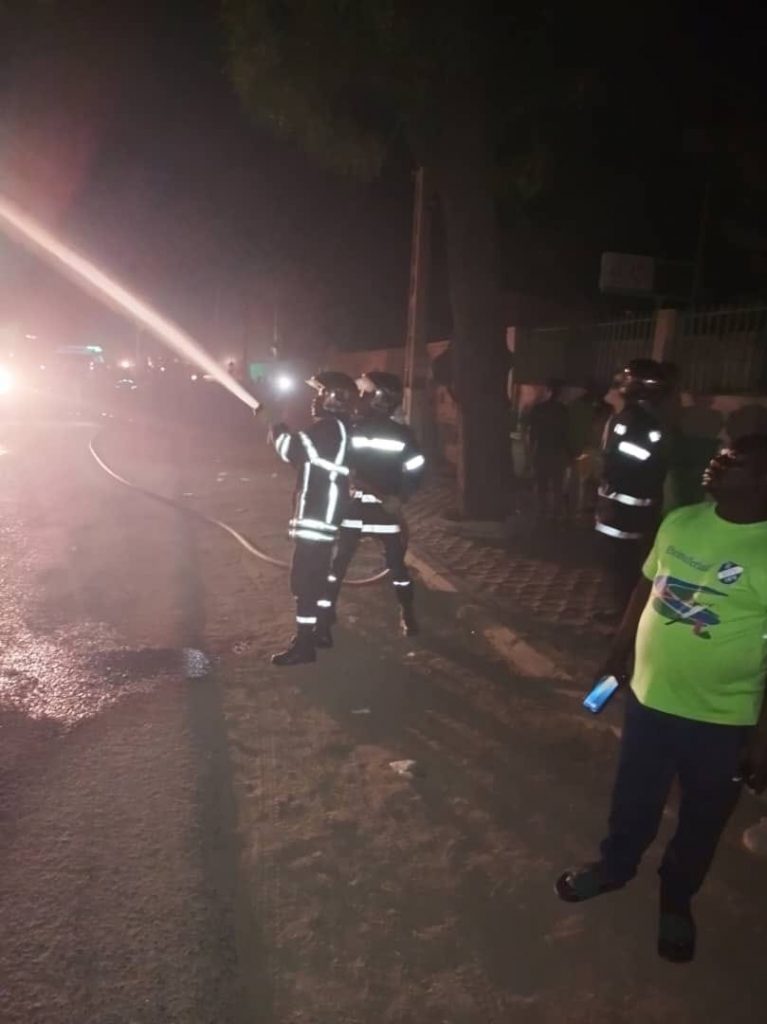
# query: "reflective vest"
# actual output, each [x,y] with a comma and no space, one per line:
[386,461]
[322,492]
[630,496]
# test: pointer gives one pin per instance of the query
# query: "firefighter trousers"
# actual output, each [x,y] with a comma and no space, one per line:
[308,577]
[622,561]
[394,548]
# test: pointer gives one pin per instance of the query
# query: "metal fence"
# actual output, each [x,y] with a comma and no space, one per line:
[721,351]
[580,353]
[718,351]
[619,341]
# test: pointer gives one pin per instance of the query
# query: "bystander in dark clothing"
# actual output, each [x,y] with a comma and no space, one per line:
[549,446]
[588,414]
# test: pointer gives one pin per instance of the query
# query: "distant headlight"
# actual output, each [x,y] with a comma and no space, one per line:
[284,383]
[7,381]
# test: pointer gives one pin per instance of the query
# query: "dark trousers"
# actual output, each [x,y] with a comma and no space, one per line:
[622,560]
[308,577]
[394,547]
[549,469]
[657,748]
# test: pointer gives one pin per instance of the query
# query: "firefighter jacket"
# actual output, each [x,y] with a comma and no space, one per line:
[387,466]
[630,495]
[322,491]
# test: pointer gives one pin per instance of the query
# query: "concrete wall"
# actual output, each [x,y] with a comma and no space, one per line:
[390,360]
[439,421]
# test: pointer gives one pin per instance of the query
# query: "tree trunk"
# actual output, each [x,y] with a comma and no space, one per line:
[463,168]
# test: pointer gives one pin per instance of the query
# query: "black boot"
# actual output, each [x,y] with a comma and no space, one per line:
[301,650]
[323,633]
[407,620]
[676,930]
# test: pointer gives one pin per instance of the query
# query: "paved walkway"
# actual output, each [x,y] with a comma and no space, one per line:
[542,576]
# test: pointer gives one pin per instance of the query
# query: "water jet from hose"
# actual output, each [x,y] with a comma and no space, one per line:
[24,229]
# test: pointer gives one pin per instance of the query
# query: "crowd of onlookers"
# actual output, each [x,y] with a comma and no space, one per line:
[562,448]
[563,441]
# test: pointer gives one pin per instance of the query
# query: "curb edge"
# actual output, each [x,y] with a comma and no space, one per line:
[510,645]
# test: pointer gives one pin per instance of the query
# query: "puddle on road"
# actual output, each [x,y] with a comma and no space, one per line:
[195,664]
[151,661]
[73,677]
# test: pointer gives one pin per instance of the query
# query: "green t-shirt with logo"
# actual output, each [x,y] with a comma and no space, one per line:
[701,647]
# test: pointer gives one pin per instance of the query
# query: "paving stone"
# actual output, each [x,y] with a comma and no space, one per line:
[545,574]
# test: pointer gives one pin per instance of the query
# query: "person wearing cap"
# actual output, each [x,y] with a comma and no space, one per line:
[320,455]
[635,463]
[387,466]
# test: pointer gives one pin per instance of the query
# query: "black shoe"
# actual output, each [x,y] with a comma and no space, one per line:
[323,636]
[584,883]
[300,652]
[408,623]
[676,933]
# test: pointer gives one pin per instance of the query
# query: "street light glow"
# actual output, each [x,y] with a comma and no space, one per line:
[284,383]
[6,381]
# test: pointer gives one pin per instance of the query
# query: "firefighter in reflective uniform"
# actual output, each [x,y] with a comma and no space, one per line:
[630,496]
[387,466]
[320,454]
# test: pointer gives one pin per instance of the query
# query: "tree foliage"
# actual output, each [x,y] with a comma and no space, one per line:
[519,111]
[343,77]
[347,77]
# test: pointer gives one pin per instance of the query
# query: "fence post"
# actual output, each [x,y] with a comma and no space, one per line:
[665,329]
[511,377]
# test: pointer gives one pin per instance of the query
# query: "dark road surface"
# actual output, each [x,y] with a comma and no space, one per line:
[115,896]
[238,848]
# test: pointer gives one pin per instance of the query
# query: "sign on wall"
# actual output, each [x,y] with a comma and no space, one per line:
[626,274]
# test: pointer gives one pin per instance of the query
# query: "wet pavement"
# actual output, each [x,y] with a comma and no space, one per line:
[246,845]
[113,906]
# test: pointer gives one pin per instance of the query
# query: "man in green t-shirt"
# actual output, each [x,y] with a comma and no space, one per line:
[695,709]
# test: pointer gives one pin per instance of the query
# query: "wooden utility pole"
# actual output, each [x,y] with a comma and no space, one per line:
[414,377]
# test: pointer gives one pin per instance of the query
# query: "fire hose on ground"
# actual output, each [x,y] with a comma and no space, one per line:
[248,545]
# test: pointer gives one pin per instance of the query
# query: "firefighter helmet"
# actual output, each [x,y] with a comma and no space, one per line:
[384,390]
[643,378]
[335,393]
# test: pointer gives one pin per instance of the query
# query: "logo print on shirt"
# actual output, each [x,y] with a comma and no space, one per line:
[681,601]
[729,573]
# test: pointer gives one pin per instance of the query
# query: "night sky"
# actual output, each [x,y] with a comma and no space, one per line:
[118,126]
[124,132]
